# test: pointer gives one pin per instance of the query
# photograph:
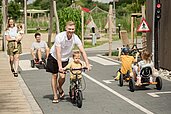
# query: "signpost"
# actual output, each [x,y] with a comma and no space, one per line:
[143,27]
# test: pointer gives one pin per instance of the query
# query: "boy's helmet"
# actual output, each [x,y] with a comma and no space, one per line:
[125,50]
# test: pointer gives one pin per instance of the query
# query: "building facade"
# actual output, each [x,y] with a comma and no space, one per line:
[164,52]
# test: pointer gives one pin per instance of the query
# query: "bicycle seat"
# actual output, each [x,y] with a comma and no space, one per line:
[146,72]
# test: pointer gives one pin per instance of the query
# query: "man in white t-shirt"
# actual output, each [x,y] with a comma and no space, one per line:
[59,57]
[39,49]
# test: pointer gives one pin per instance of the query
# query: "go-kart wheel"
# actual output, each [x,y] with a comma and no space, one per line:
[79,98]
[132,85]
[121,80]
[44,66]
[32,64]
[159,83]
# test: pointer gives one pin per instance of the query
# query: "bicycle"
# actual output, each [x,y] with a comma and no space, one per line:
[76,89]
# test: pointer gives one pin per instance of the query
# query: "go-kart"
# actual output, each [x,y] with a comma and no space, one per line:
[39,65]
[124,77]
[145,74]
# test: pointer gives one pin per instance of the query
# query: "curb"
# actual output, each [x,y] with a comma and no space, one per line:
[34,107]
[105,57]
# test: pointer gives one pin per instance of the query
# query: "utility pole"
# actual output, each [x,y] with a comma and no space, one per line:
[25,16]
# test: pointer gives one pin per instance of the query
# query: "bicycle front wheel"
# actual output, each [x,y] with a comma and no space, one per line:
[79,98]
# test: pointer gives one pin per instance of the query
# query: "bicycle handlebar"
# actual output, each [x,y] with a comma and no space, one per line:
[84,68]
[75,69]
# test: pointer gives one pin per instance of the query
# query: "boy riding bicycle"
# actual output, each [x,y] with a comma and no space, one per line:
[75,64]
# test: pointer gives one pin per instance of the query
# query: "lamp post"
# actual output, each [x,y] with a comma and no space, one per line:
[119,29]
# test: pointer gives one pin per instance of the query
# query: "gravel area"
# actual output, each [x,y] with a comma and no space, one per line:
[165,74]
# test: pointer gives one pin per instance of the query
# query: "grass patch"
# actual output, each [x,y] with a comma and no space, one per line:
[88,44]
[114,53]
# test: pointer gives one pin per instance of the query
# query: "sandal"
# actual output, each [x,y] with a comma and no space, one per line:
[55,101]
[15,74]
[61,94]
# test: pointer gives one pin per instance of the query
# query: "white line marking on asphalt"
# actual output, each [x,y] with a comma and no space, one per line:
[155,93]
[108,81]
[119,95]
[26,65]
[25,53]
[102,61]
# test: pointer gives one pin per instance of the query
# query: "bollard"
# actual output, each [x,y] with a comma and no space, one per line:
[93,39]
[93,36]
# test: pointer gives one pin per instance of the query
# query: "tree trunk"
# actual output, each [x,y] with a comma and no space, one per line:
[82,26]
[4,20]
[50,23]
[110,30]
[56,16]
[25,16]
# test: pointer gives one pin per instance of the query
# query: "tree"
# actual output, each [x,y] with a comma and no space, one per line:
[0,15]
[21,2]
[14,10]
[51,22]
[0,20]
[45,4]
[70,14]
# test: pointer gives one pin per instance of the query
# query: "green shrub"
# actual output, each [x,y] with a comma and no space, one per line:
[70,14]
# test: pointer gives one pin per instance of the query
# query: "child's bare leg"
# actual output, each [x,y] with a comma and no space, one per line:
[138,80]
[15,47]
[39,54]
[15,44]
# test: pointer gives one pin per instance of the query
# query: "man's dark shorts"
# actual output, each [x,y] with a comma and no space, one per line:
[52,65]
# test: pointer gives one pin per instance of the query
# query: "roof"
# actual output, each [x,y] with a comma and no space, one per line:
[85,9]
[35,11]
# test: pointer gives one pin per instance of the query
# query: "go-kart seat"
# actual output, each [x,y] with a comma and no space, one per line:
[146,72]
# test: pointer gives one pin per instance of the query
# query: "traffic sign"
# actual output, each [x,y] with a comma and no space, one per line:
[143,27]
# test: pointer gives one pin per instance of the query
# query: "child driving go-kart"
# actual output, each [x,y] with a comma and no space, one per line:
[39,51]
[145,73]
[125,71]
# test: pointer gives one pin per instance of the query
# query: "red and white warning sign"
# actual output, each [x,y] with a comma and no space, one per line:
[143,27]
